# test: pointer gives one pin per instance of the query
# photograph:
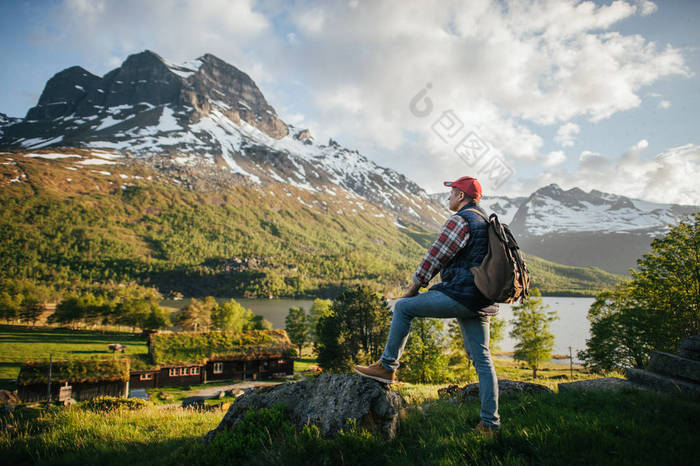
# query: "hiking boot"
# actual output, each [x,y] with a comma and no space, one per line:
[377,372]
[486,430]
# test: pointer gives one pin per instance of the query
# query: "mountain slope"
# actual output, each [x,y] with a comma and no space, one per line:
[87,215]
[200,114]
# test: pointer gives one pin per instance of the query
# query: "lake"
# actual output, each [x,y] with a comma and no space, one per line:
[572,328]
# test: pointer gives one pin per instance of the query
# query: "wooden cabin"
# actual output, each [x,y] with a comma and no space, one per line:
[87,379]
[187,358]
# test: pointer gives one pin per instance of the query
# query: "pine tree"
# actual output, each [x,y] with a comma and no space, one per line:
[424,360]
[531,329]
[319,308]
[296,327]
[354,330]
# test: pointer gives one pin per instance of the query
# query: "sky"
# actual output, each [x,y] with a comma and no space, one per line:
[597,95]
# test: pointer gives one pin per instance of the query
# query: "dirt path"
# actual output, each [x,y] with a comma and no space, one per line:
[213,391]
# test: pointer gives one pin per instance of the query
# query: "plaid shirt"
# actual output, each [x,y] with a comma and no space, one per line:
[453,237]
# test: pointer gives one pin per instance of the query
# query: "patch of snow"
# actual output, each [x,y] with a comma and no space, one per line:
[106,155]
[80,88]
[96,162]
[51,155]
[107,122]
[167,121]
[185,69]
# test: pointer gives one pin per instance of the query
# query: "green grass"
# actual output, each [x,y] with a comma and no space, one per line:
[20,343]
[574,428]
[302,364]
[77,436]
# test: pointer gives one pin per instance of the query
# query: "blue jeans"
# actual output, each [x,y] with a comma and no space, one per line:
[475,333]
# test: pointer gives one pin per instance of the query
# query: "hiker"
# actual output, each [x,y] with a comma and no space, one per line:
[462,244]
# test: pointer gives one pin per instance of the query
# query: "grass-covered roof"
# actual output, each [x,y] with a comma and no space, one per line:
[90,370]
[192,347]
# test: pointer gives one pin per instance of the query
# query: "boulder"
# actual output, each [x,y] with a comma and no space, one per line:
[675,366]
[603,383]
[690,348]
[505,388]
[235,392]
[9,397]
[194,402]
[327,401]
[663,383]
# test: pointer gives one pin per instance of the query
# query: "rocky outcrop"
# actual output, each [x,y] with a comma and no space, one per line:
[601,384]
[690,348]
[505,388]
[670,373]
[327,402]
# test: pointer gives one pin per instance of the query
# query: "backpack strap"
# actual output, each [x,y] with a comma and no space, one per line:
[477,211]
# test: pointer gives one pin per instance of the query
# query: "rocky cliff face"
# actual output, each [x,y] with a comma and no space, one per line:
[204,112]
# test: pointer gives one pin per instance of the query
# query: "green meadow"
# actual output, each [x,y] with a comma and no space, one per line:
[573,428]
[22,343]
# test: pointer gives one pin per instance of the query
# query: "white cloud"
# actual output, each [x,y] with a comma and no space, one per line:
[554,158]
[669,177]
[503,69]
[646,7]
[176,29]
[566,134]
[664,104]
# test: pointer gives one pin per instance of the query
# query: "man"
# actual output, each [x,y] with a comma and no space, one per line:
[462,244]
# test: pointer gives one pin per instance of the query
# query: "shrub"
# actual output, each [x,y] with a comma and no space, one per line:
[108,404]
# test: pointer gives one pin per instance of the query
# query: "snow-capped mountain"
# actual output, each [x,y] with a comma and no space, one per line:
[574,227]
[505,207]
[202,112]
[552,210]
[599,229]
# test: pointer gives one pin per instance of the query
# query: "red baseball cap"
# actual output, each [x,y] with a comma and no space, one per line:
[468,185]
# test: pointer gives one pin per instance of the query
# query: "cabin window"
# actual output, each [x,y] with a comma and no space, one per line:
[218,367]
[194,370]
[281,361]
[146,377]
[185,371]
[173,372]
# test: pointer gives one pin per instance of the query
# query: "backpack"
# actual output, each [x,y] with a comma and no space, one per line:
[503,276]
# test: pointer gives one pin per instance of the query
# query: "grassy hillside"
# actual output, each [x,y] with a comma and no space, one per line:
[64,222]
[577,428]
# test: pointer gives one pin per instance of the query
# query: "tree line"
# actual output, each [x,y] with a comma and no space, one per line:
[655,310]
[353,328]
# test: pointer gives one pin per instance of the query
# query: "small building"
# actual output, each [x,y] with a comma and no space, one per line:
[187,358]
[87,379]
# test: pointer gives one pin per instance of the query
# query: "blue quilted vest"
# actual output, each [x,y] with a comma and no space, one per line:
[457,279]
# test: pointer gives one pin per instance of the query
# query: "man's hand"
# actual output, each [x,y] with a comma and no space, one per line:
[412,290]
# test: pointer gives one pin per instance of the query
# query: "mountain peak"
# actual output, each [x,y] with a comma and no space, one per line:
[207,118]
